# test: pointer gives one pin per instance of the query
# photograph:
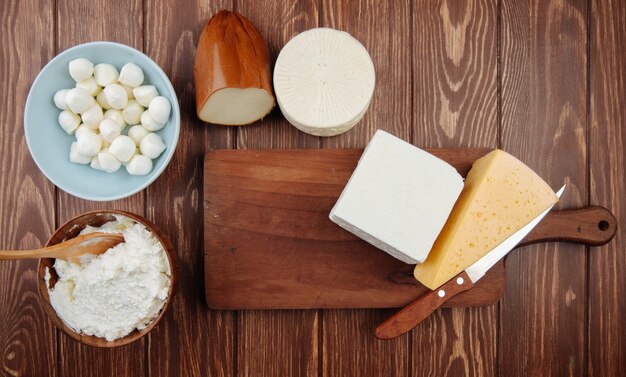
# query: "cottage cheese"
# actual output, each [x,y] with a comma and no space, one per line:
[112,294]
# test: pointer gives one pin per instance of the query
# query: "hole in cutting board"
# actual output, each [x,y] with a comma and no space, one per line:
[603,225]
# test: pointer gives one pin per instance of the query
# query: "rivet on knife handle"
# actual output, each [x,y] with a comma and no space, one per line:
[414,313]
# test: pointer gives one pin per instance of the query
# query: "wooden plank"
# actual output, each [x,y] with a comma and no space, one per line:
[542,327]
[455,102]
[94,21]
[607,279]
[455,70]
[191,340]
[348,342]
[273,205]
[27,337]
[277,343]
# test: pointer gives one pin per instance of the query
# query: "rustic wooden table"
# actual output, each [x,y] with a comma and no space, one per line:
[544,80]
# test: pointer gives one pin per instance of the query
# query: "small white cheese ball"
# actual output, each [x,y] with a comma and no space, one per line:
[131,75]
[69,121]
[129,91]
[116,96]
[84,129]
[105,74]
[90,85]
[89,144]
[76,157]
[137,133]
[159,109]
[78,100]
[80,69]
[150,124]
[132,112]
[116,115]
[93,116]
[152,145]
[60,99]
[139,165]
[123,147]
[95,164]
[144,94]
[109,130]
[102,101]
[108,162]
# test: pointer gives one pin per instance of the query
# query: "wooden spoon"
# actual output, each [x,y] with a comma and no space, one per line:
[71,250]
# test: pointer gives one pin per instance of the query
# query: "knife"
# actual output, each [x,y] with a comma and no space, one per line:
[417,311]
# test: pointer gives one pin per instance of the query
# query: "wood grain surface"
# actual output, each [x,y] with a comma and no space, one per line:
[544,80]
[27,337]
[545,299]
[273,205]
[606,309]
[455,105]
[290,339]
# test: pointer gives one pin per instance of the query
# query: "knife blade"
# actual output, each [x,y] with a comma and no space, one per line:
[415,312]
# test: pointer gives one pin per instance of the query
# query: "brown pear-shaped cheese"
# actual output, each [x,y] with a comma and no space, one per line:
[232,72]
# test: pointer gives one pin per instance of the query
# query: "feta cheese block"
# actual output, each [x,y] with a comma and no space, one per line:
[398,198]
[501,195]
[324,81]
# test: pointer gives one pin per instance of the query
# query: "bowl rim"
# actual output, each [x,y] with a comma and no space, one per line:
[169,151]
[134,335]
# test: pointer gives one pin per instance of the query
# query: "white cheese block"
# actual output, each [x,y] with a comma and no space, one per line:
[398,198]
[324,80]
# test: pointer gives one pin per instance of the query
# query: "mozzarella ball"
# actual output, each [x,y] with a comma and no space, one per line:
[144,94]
[108,162]
[116,115]
[84,129]
[102,101]
[68,121]
[139,165]
[123,147]
[137,133]
[105,74]
[152,145]
[159,109]
[95,163]
[80,69]
[90,85]
[60,99]
[131,75]
[93,116]
[89,144]
[78,100]
[150,124]
[129,91]
[109,130]
[77,157]
[132,112]
[116,96]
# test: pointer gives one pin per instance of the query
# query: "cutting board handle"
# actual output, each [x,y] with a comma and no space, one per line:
[593,226]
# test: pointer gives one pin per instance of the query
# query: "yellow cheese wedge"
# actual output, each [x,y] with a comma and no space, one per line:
[500,196]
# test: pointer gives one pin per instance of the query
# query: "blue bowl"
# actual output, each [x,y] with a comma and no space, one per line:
[50,145]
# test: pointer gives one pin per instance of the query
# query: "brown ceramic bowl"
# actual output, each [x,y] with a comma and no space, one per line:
[70,230]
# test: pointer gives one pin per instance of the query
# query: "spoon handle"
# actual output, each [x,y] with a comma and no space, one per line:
[64,250]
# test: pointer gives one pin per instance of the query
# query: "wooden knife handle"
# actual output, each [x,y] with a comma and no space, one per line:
[417,311]
[593,226]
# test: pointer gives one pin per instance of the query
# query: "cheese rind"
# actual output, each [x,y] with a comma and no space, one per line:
[501,195]
[398,198]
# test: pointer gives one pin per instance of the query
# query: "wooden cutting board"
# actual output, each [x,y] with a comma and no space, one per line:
[268,242]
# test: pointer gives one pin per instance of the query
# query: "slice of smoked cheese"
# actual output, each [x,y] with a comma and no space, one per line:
[500,196]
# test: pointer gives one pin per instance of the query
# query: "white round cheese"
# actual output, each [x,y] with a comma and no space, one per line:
[324,80]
